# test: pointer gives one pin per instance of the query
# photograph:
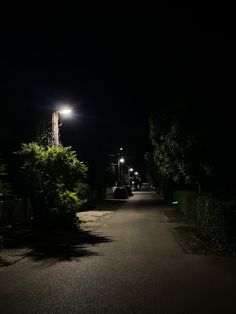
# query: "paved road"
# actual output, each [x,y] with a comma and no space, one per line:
[136,266]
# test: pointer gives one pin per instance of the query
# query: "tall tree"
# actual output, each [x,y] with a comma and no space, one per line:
[178,147]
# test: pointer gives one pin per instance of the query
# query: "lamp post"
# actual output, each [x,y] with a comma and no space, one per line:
[136,180]
[55,124]
[130,170]
[120,172]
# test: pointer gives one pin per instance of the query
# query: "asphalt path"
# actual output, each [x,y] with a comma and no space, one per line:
[132,263]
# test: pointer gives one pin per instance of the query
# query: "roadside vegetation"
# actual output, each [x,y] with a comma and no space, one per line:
[54,180]
[184,165]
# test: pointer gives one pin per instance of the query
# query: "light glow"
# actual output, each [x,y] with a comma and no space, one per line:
[65,111]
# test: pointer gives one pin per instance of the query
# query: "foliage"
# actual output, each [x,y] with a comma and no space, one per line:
[5,190]
[82,190]
[187,202]
[157,178]
[212,217]
[169,151]
[44,134]
[177,153]
[51,175]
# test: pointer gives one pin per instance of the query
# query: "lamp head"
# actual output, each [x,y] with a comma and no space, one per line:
[65,111]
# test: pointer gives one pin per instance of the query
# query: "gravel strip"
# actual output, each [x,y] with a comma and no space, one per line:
[93,218]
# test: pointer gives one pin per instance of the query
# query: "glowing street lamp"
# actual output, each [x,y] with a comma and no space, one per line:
[130,170]
[120,171]
[65,111]
[55,125]
[136,173]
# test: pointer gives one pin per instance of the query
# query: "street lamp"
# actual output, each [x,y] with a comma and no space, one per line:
[120,172]
[136,173]
[130,170]
[55,125]
[65,111]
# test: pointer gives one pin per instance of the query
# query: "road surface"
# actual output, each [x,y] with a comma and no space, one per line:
[132,264]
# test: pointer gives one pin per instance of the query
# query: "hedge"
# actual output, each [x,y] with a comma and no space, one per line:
[213,218]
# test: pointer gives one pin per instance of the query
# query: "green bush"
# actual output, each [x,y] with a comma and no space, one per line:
[82,191]
[186,202]
[64,213]
[208,213]
[213,220]
[53,177]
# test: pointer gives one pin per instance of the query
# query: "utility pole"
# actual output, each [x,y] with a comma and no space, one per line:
[120,170]
[55,128]
[121,174]
[55,125]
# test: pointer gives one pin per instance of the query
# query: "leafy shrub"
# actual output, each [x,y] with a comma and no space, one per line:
[66,209]
[82,192]
[187,202]
[213,219]
[51,176]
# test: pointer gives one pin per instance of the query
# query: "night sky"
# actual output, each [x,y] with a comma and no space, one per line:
[114,72]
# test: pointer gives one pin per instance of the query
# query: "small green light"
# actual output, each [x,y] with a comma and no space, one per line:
[174,203]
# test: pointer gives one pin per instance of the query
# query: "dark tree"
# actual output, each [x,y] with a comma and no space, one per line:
[178,155]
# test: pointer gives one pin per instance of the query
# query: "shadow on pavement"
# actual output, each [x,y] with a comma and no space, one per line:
[53,245]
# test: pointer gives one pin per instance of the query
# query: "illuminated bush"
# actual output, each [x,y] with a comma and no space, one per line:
[52,176]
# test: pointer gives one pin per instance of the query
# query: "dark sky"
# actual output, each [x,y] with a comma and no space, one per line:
[115,71]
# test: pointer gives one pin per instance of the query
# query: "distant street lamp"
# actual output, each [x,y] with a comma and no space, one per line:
[55,125]
[120,172]
[130,170]
[136,173]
